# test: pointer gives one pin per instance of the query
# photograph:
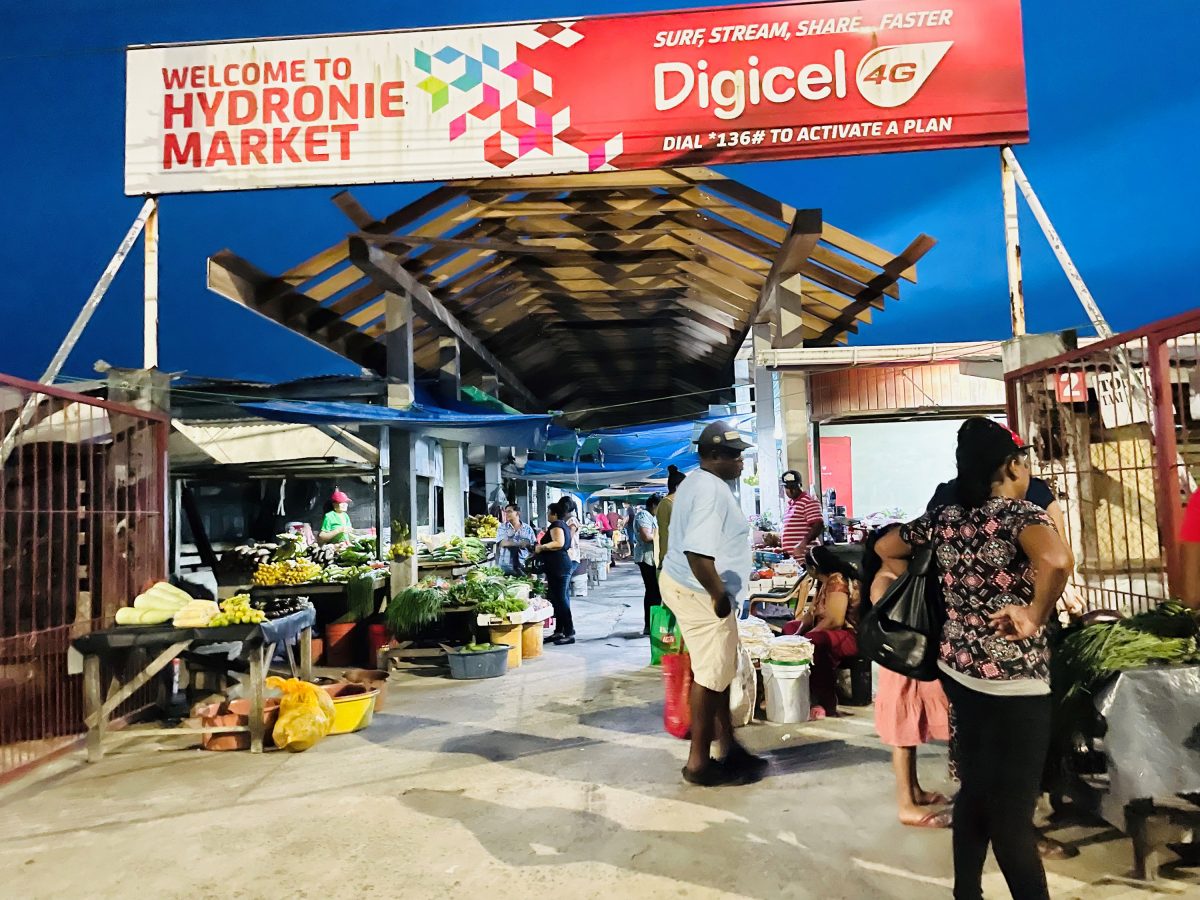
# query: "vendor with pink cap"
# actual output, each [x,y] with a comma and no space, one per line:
[336,527]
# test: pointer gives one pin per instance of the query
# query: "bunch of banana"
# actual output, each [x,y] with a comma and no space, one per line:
[287,572]
[237,611]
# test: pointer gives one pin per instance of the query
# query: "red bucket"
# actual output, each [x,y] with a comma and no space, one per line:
[677,681]
[377,639]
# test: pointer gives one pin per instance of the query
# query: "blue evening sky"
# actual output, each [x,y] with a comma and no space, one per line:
[1114,105]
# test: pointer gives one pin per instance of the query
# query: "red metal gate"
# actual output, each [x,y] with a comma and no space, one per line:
[82,488]
[1115,428]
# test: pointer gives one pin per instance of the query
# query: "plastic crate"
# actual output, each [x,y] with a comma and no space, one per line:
[484,664]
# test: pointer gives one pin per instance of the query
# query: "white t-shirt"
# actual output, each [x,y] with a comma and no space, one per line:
[707,519]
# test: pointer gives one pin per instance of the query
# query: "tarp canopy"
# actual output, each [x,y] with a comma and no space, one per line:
[567,474]
[524,432]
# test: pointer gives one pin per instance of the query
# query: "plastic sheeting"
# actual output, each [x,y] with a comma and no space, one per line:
[565,472]
[493,429]
[1153,737]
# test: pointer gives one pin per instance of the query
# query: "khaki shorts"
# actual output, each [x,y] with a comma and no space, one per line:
[711,641]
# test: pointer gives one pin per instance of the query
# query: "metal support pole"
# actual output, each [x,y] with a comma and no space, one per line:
[76,329]
[150,306]
[493,484]
[402,488]
[1056,244]
[454,504]
[380,520]
[1012,247]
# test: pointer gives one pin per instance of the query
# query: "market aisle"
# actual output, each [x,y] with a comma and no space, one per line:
[554,781]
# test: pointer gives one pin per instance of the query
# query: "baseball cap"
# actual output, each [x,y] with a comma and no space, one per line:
[339,497]
[790,477]
[722,434]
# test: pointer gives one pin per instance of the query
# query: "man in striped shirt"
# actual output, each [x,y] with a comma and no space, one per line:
[802,523]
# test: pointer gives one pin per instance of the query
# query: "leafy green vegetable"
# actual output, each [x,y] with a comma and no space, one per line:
[415,607]
[501,606]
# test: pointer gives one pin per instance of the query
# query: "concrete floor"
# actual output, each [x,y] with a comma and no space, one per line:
[554,781]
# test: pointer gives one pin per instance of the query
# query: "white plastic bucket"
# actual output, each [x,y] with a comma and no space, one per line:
[787,692]
[579,586]
[602,570]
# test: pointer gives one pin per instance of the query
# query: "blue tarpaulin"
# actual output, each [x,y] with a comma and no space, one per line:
[494,429]
[567,473]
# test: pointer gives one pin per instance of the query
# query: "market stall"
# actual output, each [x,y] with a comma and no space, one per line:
[164,625]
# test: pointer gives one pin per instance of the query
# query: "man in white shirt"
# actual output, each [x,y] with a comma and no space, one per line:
[704,579]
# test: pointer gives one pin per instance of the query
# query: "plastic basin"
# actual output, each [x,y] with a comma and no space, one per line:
[484,664]
[353,707]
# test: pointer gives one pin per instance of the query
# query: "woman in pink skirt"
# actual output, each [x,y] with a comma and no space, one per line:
[908,712]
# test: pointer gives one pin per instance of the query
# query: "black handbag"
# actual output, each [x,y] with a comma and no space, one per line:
[903,630]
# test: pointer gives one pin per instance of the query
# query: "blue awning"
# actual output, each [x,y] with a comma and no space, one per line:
[526,432]
[564,473]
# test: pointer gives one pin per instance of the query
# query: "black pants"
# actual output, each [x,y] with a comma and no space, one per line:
[1002,744]
[653,595]
[559,594]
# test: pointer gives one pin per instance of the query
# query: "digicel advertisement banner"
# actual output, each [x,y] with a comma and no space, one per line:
[734,84]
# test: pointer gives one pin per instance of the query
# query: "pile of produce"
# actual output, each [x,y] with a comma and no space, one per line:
[278,607]
[501,607]
[482,526]
[156,606]
[402,546]
[197,614]
[481,648]
[1088,655]
[237,611]
[325,554]
[357,552]
[463,550]
[417,606]
[289,572]
[588,532]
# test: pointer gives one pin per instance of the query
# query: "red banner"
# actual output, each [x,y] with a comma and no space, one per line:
[734,84]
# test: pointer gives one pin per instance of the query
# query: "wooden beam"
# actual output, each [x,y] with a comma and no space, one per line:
[802,237]
[383,267]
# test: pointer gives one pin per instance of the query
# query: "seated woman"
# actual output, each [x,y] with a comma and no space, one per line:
[829,624]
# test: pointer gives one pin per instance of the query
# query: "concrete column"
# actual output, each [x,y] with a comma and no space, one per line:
[793,389]
[493,484]
[742,397]
[541,490]
[764,414]
[402,487]
[454,496]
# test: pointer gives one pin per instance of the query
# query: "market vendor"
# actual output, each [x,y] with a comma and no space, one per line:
[1190,551]
[803,522]
[336,527]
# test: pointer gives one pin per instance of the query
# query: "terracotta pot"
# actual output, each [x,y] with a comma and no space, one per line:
[373,679]
[233,714]
[340,644]
[318,651]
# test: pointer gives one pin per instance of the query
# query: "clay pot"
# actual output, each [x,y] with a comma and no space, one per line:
[233,714]
[372,679]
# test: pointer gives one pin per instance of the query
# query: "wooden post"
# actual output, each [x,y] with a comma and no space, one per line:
[793,389]
[150,307]
[1012,247]
[257,680]
[306,660]
[92,708]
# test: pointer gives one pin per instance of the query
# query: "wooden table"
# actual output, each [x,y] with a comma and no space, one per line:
[163,644]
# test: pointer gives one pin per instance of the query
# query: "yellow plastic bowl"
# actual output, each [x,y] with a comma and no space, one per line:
[352,712]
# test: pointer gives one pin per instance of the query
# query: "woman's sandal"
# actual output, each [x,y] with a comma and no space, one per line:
[942,819]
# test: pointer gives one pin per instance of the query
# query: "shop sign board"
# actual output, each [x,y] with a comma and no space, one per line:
[694,87]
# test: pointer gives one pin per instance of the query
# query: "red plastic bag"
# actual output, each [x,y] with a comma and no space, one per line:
[677,680]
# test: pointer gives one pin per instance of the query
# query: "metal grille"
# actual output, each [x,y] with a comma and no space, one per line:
[1114,430]
[81,532]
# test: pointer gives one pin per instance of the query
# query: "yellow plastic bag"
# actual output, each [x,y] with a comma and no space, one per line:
[305,714]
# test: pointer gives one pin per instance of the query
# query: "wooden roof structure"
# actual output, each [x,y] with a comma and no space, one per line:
[583,292]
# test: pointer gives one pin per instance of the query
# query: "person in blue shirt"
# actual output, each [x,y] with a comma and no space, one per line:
[516,541]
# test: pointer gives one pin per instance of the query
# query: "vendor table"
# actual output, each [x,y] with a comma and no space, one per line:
[1153,747]
[257,644]
[322,595]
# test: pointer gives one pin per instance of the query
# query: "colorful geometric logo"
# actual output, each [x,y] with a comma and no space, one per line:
[534,120]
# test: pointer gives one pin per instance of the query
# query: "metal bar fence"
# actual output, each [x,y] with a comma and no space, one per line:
[81,532]
[1115,430]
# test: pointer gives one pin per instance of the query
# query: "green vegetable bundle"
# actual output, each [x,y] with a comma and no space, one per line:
[501,607]
[1089,655]
[415,607]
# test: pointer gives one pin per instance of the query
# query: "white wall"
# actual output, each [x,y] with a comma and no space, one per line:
[898,464]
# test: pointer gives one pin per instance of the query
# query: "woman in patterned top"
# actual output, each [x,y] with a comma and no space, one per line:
[1003,566]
